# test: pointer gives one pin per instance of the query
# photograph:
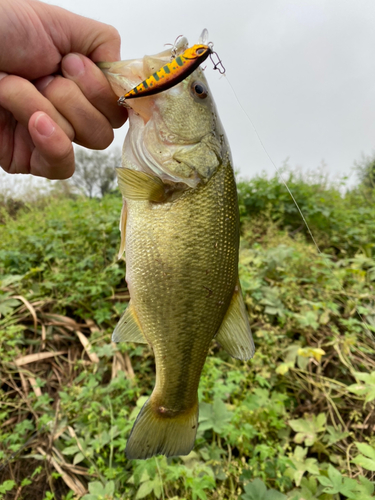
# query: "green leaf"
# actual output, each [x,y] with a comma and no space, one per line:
[336,483]
[307,428]
[335,476]
[10,279]
[309,318]
[70,450]
[78,458]
[254,490]
[335,435]
[324,481]
[7,486]
[145,489]
[7,306]
[307,491]
[157,487]
[257,490]
[301,464]
[214,416]
[96,488]
[364,462]
[110,488]
[350,488]
[367,388]
[274,495]
[367,461]
[366,449]
[366,485]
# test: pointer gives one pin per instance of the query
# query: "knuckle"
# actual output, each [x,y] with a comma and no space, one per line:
[7,126]
[118,119]
[67,161]
[114,34]
[60,90]
[94,93]
[11,89]
[60,165]
[99,137]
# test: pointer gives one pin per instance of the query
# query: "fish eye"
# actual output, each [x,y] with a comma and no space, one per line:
[201,51]
[199,90]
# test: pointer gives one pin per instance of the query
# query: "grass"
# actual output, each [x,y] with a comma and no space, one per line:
[296,422]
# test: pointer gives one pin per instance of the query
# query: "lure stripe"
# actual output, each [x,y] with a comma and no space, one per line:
[170,74]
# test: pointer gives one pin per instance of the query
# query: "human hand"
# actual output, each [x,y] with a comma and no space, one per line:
[51,92]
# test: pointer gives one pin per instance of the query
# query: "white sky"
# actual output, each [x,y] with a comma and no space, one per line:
[304,71]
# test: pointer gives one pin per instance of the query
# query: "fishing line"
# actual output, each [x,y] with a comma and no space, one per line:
[279,173]
[290,193]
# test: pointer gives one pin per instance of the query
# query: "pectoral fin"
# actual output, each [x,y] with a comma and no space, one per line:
[136,185]
[128,328]
[234,334]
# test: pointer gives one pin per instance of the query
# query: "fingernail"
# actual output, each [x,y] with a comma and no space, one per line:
[43,82]
[44,125]
[3,75]
[73,65]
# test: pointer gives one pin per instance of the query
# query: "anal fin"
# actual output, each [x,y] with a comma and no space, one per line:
[128,328]
[234,334]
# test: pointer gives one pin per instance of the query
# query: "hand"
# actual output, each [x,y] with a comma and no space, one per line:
[51,92]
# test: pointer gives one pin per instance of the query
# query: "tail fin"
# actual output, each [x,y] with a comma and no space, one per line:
[162,432]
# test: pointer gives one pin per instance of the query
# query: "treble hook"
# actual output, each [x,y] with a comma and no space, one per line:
[179,44]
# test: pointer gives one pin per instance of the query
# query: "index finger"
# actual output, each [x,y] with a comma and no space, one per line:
[95,87]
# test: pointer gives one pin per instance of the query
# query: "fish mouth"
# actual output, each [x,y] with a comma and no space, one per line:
[123,76]
[154,143]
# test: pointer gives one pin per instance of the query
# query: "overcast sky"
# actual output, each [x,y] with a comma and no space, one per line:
[303,70]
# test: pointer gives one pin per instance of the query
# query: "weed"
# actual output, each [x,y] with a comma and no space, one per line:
[295,422]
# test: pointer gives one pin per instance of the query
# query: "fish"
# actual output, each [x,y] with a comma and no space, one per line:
[180,233]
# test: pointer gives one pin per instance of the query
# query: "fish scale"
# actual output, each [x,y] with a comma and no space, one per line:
[192,282]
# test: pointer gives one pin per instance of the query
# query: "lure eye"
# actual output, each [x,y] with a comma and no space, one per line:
[201,51]
[199,90]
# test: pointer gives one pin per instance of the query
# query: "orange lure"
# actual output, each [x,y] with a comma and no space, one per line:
[171,74]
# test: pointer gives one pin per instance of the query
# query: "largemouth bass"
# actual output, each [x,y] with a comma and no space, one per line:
[180,231]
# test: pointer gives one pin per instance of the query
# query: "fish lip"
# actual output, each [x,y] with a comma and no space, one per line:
[122,75]
[125,75]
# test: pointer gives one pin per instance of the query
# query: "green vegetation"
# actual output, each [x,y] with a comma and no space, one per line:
[294,423]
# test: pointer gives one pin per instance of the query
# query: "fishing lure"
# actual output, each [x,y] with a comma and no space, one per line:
[171,74]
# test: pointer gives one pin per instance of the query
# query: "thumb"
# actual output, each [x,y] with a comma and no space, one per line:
[53,156]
